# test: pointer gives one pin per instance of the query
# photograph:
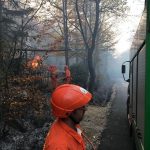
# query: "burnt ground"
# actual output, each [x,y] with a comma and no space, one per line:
[116,133]
[105,125]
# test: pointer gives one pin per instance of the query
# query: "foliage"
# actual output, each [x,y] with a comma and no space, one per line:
[79,74]
[22,102]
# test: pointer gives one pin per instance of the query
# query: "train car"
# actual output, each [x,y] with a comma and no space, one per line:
[138,102]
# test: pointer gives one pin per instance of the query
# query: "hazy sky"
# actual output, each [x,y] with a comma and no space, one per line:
[128,27]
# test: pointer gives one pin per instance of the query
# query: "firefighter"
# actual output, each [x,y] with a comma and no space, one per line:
[54,80]
[67,74]
[68,103]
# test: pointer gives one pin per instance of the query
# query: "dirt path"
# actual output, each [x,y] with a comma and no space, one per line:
[95,120]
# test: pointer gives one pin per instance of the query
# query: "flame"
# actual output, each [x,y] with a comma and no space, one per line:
[35,63]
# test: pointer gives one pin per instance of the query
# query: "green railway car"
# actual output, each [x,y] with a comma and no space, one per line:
[138,102]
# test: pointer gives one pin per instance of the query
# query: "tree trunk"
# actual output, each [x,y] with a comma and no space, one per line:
[21,46]
[1,48]
[91,71]
[90,47]
[65,21]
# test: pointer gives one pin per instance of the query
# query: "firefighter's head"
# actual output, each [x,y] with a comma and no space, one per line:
[66,67]
[70,100]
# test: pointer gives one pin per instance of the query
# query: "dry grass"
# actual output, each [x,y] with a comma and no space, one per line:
[95,121]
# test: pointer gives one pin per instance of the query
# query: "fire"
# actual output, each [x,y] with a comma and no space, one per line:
[35,63]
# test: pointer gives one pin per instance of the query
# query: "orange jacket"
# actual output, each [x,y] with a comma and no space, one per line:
[62,137]
[68,74]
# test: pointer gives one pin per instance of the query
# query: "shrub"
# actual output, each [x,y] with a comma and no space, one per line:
[79,74]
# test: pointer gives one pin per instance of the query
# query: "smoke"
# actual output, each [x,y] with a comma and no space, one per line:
[108,68]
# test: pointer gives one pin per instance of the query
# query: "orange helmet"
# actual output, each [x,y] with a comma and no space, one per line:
[68,97]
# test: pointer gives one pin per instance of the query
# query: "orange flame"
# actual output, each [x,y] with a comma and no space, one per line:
[35,62]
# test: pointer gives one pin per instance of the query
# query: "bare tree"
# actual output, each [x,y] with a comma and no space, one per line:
[65,24]
[0,30]
[89,14]
[15,20]
[89,45]
[25,20]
